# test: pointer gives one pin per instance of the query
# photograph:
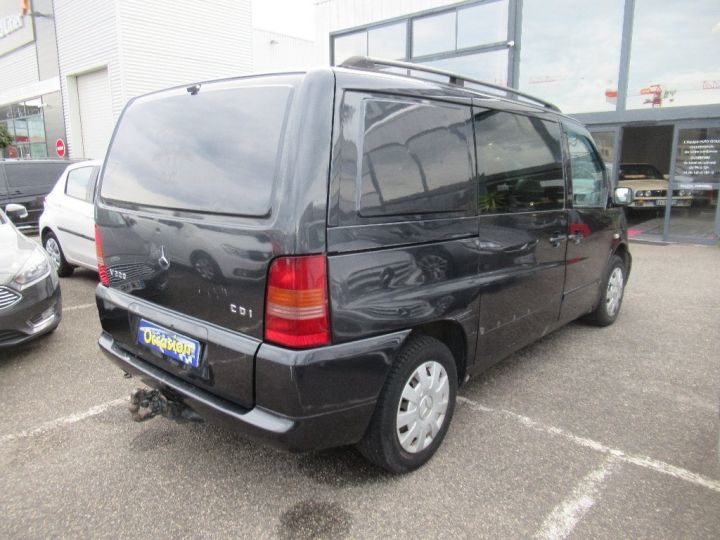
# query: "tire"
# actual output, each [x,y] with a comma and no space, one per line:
[400,437]
[52,248]
[611,294]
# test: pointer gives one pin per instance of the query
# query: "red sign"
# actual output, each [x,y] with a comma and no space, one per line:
[60,148]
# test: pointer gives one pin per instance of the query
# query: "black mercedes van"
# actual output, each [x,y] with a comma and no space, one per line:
[320,259]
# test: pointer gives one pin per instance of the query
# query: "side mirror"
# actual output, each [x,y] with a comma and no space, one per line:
[16,211]
[622,196]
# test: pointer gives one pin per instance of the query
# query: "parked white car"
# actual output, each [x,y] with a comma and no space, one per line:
[67,225]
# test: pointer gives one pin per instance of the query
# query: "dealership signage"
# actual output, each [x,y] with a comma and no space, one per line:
[699,154]
[16,29]
[10,24]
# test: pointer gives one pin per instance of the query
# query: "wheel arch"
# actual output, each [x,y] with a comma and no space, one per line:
[623,252]
[451,334]
[45,231]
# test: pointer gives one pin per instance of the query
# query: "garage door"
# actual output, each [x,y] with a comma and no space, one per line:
[96,121]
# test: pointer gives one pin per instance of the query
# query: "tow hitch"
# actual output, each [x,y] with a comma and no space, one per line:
[146,404]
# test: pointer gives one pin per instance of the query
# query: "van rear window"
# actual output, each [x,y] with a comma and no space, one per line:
[28,174]
[216,151]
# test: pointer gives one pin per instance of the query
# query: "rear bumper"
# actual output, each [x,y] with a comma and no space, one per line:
[304,400]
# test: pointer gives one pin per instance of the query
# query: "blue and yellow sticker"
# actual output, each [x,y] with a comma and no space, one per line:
[168,343]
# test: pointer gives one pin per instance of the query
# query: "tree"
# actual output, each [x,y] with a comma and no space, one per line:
[5,137]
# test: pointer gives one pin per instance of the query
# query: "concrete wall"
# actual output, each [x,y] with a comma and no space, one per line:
[147,46]
[279,52]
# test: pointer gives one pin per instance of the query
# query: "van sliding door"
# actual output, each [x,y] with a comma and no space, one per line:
[523,229]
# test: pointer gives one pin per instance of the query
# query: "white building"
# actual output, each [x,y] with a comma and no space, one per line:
[112,50]
[68,67]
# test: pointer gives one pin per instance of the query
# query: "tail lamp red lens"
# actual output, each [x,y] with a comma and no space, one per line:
[296,307]
[102,270]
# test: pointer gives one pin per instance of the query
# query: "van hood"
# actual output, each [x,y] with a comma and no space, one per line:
[14,251]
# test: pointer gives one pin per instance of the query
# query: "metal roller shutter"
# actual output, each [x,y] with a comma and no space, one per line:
[96,121]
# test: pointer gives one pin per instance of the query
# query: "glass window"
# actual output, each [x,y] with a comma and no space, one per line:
[570,52]
[28,173]
[26,125]
[698,155]
[481,24]
[674,56]
[350,45]
[388,42]
[519,162]
[588,184]
[416,158]
[79,183]
[605,143]
[216,151]
[433,34]
[489,66]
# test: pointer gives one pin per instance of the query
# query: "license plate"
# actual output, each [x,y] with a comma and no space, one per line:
[168,343]
[660,202]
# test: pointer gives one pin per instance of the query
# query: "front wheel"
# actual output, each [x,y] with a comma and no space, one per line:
[415,407]
[611,295]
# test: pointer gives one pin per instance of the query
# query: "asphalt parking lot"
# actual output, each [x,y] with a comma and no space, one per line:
[609,433]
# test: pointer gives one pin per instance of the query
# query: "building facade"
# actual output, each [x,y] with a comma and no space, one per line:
[643,75]
[69,66]
[273,51]
[30,99]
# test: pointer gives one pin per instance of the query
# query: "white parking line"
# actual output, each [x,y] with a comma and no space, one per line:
[565,516]
[81,306]
[640,461]
[64,421]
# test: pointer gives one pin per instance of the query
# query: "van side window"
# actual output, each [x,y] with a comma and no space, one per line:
[80,183]
[519,163]
[588,182]
[416,158]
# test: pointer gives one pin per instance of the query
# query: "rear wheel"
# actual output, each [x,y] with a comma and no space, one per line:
[415,407]
[611,295]
[52,247]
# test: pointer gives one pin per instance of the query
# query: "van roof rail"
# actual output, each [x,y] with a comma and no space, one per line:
[373,64]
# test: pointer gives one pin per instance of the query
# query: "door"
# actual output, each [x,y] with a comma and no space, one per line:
[522,229]
[591,224]
[76,225]
[95,104]
[694,173]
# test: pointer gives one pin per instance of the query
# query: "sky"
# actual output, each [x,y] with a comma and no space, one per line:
[293,17]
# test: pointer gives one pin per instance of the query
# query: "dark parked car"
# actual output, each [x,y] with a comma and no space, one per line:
[411,233]
[27,182]
[30,302]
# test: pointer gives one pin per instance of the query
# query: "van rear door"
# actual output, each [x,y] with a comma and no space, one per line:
[188,221]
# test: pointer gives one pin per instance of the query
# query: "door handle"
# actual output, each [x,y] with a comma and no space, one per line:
[576,238]
[557,238]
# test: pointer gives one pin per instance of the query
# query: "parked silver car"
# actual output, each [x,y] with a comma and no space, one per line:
[30,300]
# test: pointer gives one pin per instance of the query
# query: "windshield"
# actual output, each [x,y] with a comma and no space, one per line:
[214,151]
[639,171]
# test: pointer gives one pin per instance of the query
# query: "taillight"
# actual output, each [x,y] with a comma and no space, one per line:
[104,279]
[296,306]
